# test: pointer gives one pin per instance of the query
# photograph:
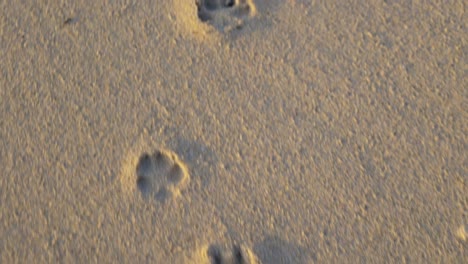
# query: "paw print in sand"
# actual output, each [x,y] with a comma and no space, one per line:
[217,254]
[161,175]
[236,255]
[225,14]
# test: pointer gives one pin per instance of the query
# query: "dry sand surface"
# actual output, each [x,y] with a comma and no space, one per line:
[247,131]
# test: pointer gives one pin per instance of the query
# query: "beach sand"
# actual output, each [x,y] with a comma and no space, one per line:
[283,131]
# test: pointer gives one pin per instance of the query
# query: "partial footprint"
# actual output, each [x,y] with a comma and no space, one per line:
[205,19]
[215,254]
[236,255]
[225,15]
[161,175]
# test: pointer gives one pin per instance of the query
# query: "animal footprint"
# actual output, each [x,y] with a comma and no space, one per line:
[225,14]
[161,175]
[215,254]
[236,255]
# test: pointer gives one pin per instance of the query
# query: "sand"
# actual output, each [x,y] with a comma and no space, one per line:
[283,131]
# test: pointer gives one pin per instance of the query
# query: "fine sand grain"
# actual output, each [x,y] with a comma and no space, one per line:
[245,131]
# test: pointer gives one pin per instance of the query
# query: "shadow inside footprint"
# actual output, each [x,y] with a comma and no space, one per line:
[143,168]
[212,5]
[161,175]
[229,3]
[176,174]
[236,255]
[214,254]
[143,185]
[225,15]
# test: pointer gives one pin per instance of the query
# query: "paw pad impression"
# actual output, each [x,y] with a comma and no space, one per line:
[161,175]
[225,15]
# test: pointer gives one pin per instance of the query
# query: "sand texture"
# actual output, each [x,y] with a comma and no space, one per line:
[233,131]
